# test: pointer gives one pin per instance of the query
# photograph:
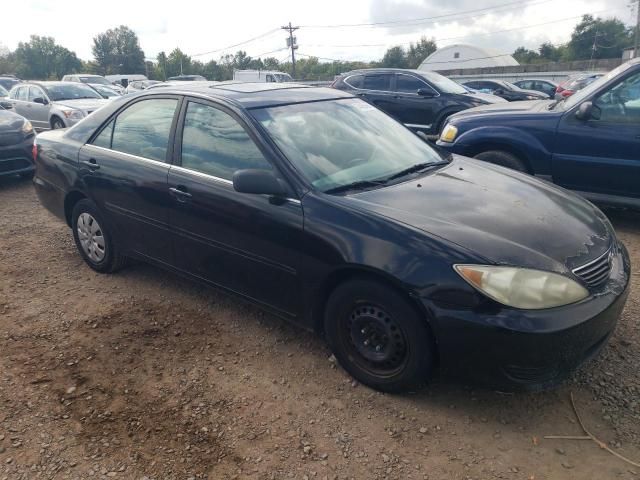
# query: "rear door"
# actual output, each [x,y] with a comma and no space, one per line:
[39,112]
[377,90]
[125,170]
[601,155]
[415,111]
[241,242]
[20,100]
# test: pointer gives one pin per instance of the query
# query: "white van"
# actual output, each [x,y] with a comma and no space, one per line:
[125,79]
[269,76]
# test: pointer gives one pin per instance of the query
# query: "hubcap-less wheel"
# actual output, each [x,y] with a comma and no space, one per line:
[376,341]
[91,237]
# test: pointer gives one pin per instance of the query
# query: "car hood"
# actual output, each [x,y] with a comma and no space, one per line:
[535,93]
[486,97]
[83,103]
[528,107]
[10,122]
[502,215]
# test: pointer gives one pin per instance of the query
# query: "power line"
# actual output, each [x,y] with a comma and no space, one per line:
[238,44]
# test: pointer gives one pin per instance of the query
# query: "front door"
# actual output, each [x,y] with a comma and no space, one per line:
[417,112]
[601,155]
[39,112]
[125,170]
[241,242]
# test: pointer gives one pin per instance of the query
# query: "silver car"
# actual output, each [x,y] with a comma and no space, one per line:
[51,105]
[93,80]
[139,85]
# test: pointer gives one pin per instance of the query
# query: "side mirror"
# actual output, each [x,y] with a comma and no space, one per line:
[40,100]
[426,93]
[585,111]
[260,182]
[6,105]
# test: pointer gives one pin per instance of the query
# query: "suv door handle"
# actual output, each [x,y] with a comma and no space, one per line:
[180,195]
[91,164]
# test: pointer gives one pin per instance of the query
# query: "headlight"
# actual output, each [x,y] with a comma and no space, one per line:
[532,97]
[522,287]
[27,128]
[73,114]
[449,133]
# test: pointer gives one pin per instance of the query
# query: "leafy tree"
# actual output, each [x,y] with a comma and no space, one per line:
[42,58]
[611,36]
[395,57]
[523,55]
[118,51]
[419,51]
[178,63]
[551,53]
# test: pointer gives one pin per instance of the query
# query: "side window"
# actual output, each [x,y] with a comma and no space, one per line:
[270,79]
[409,84]
[528,85]
[473,85]
[35,92]
[621,103]
[213,142]
[104,138]
[22,93]
[144,128]
[380,82]
[356,81]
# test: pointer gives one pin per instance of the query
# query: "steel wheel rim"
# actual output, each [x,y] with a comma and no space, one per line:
[375,341]
[91,237]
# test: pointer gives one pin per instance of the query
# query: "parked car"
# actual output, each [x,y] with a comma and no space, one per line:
[269,76]
[8,81]
[566,89]
[3,93]
[54,104]
[421,100]
[506,90]
[588,142]
[139,85]
[105,91]
[539,85]
[187,78]
[16,143]
[93,80]
[490,98]
[324,210]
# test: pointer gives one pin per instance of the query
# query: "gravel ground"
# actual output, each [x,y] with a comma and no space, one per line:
[145,375]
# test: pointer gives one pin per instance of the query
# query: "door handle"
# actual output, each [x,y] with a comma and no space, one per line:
[91,164]
[180,195]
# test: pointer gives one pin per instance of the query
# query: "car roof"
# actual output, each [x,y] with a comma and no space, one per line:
[386,70]
[254,94]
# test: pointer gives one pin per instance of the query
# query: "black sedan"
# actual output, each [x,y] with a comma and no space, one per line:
[421,100]
[16,143]
[322,209]
[506,90]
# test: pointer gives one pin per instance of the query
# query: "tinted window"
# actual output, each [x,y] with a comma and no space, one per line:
[474,85]
[214,143]
[377,82]
[621,103]
[356,81]
[528,85]
[143,129]
[409,84]
[104,138]
[69,91]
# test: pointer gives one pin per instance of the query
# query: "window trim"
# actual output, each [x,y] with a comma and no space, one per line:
[114,116]
[386,92]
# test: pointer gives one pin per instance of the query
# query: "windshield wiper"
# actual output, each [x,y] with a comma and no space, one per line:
[359,185]
[557,102]
[418,167]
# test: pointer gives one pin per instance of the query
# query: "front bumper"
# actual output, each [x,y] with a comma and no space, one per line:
[17,158]
[513,349]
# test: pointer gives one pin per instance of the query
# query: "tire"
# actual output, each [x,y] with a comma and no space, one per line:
[56,123]
[361,317]
[442,123]
[27,175]
[94,240]
[502,158]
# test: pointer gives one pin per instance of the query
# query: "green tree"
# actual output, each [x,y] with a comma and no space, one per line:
[419,51]
[523,55]
[395,57]
[118,51]
[611,36]
[41,58]
[178,63]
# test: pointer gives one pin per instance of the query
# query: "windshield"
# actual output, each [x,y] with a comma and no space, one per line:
[8,83]
[69,91]
[443,84]
[580,95]
[97,80]
[340,142]
[3,92]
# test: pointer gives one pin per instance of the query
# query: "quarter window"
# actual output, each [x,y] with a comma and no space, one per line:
[144,128]
[104,138]
[213,142]
[409,84]
[356,81]
[381,83]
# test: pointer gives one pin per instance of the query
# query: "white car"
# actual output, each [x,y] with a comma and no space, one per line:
[93,80]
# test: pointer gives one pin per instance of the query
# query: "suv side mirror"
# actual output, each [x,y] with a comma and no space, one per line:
[260,182]
[585,111]
[40,100]
[426,93]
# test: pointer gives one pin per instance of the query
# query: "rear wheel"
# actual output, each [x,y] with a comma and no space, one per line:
[57,123]
[502,158]
[94,240]
[378,337]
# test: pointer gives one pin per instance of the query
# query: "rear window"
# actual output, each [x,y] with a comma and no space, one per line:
[356,81]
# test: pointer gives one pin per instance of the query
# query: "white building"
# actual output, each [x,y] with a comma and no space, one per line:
[466,56]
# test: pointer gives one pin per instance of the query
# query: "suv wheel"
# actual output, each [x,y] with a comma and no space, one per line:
[504,159]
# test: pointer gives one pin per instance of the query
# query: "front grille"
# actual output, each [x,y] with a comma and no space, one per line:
[596,272]
[7,139]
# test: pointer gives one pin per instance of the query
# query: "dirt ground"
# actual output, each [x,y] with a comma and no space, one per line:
[145,375]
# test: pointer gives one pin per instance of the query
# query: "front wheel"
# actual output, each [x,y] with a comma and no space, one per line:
[502,158]
[56,124]
[94,240]
[378,337]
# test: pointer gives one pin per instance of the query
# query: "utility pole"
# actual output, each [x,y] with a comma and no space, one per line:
[593,49]
[636,45]
[293,44]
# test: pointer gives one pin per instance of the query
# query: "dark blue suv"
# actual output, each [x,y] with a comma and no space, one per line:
[589,142]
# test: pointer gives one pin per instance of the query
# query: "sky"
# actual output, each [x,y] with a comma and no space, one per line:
[330,29]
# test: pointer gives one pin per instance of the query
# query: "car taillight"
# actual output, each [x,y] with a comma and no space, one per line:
[567,93]
[34,151]
[559,89]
